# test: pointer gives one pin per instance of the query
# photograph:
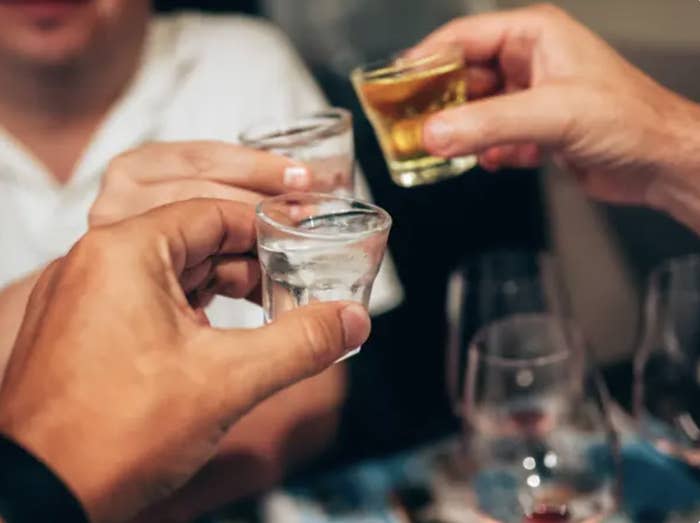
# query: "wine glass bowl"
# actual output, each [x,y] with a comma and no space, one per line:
[539,447]
[489,287]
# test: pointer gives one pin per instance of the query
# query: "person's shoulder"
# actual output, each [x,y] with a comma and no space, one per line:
[225,34]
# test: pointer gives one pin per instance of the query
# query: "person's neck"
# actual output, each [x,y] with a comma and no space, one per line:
[58,108]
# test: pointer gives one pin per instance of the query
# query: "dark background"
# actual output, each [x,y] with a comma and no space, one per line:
[240,6]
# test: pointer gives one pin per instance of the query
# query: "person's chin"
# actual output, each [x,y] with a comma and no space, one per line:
[48,30]
[45,12]
[51,50]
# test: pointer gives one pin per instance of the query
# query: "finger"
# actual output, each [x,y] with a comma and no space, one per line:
[193,230]
[235,277]
[483,81]
[496,157]
[177,191]
[527,156]
[481,36]
[301,343]
[255,296]
[110,208]
[200,316]
[487,163]
[221,162]
[539,116]
[193,278]
[198,301]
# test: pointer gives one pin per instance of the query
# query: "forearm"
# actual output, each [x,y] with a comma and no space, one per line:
[675,188]
[290,428]
[13,301]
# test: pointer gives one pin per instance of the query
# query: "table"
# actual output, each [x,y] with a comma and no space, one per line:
[379,491]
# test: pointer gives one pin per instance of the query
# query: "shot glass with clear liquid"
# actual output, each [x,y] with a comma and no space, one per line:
[398,95]
[318,247]
[322,140]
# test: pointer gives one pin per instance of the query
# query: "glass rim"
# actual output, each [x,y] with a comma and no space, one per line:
[565,325]
[396,64]
[384,225]
[273,133]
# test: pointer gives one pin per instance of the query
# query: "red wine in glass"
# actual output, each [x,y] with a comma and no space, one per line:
[548,514]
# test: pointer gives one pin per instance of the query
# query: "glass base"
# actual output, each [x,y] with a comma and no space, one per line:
[429,169]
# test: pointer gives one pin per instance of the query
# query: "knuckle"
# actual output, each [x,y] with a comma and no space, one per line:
[92,245]
[572,100]
[198,156]
[548,13]
[481,132]
[89,257]
[47,276]
[569,99]
[108,207]
[548,9]
[321,338]
[95,213]
[454,26]
[117,169]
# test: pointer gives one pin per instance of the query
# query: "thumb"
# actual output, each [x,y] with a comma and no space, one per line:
[540,115]
[300,344]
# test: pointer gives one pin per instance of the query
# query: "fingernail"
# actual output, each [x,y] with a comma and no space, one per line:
[438,134]
[297,177]
[356,325]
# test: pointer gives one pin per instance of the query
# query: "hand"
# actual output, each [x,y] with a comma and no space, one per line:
[160,173]
[564,90]
[120,386]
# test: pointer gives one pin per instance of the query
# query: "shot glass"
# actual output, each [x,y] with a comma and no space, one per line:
[398,95]
[318,247]
[323,141]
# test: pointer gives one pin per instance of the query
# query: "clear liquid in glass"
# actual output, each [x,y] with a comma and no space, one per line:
[298,271]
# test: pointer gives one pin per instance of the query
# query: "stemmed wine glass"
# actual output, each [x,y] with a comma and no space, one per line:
[539,445]
[667,366]
[491,286]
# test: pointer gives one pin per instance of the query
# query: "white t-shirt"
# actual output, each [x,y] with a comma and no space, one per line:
[201,77]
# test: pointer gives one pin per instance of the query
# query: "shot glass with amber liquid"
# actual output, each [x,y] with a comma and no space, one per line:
[398,95]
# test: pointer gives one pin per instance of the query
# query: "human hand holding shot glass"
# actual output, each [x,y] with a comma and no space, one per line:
[316,247]
[323,141]
[398,95]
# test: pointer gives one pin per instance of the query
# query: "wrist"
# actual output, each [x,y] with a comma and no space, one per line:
[30,491]
[675,188]
[61,453]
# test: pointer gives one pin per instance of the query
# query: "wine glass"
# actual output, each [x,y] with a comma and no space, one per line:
[667,365]
[492,286]
[539,445]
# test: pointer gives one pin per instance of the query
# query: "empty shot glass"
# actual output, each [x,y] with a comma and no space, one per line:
[318,247]
[322,140]
[398,95]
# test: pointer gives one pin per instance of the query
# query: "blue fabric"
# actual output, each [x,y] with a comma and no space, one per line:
[655,487]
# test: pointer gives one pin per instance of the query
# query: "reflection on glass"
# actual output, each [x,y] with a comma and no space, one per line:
[323,141]
[316,247]
[491,286]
